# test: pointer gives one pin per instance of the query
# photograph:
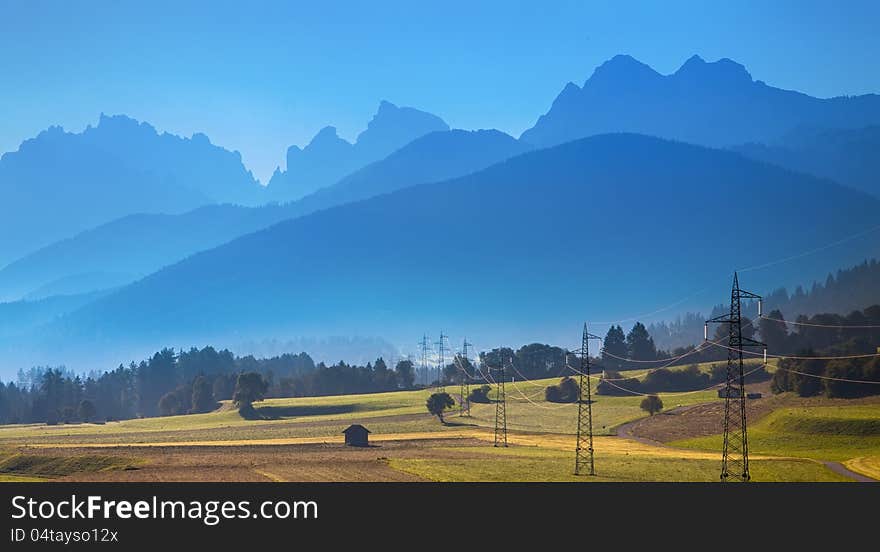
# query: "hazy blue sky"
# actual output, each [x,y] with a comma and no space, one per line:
[259,76]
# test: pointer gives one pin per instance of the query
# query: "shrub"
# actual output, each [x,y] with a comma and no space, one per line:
[566,391]
[652,404]
[480,394]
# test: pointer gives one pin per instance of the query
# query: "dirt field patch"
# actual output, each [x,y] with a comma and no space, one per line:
[703,420]
[267,463]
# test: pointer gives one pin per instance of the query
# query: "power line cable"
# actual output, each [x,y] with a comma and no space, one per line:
[835,326]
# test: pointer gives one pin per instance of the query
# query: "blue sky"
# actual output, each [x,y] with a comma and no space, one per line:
[258,76]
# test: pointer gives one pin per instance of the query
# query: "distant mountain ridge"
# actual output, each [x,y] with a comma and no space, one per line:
[327,158]
[114,254]
[507,270]
[714,104]
[60,183]
[848,156]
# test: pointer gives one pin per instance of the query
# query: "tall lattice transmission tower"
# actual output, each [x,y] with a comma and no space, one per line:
[735,452]
[464,391]
[500,406]
[424,350]
[441,362]
[583,452]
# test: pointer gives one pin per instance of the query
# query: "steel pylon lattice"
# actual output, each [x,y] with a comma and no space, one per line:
[500,409]
[424,360]
[441,348]
[464,403]
[583,455]
[735,450]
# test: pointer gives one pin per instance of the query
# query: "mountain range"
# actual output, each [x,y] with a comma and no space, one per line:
[714,104]
[61,183]
[328,158]
[593,227]
[848,156]
[121,251]
[631,190]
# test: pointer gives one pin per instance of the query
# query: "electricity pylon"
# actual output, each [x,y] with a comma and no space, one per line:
[500,407]
[464,404]
[583,454]
[424,345]
[441,347]
[735,453]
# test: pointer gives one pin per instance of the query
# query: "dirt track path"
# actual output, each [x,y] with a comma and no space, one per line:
[837,467]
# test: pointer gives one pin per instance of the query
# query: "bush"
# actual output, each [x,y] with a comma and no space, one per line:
[169,404]
[685,379]
[652,404]
[613,384]
[566,391]
[480,394]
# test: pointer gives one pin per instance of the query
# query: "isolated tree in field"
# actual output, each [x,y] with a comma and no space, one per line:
[406,373]
[202,395]
[86,410]
[652,404]
[250,388]
[437,403]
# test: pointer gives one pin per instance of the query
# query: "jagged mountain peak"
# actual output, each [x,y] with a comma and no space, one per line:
[622,67]
[725,70]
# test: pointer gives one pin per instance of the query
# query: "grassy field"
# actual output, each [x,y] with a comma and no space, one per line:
[397,412]
[299,439]
[520,463]
[837,433]
[866,465]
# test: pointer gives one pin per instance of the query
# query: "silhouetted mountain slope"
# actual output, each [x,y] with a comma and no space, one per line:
[849,156]
[327,158]
[81,283]
[524,250]
[431,158]
[61,183]
[714,104]
[20,317]
[129,248]
[121,251]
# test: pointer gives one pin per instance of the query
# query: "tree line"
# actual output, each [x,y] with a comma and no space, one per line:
[188,381]
[169,382]
[844,291]
[180,382]
[809,376]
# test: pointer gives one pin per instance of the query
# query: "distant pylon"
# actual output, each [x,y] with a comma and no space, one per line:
[424,345]
[500,406]
[583,452]
[735,451]
[441,348]
[464,403]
